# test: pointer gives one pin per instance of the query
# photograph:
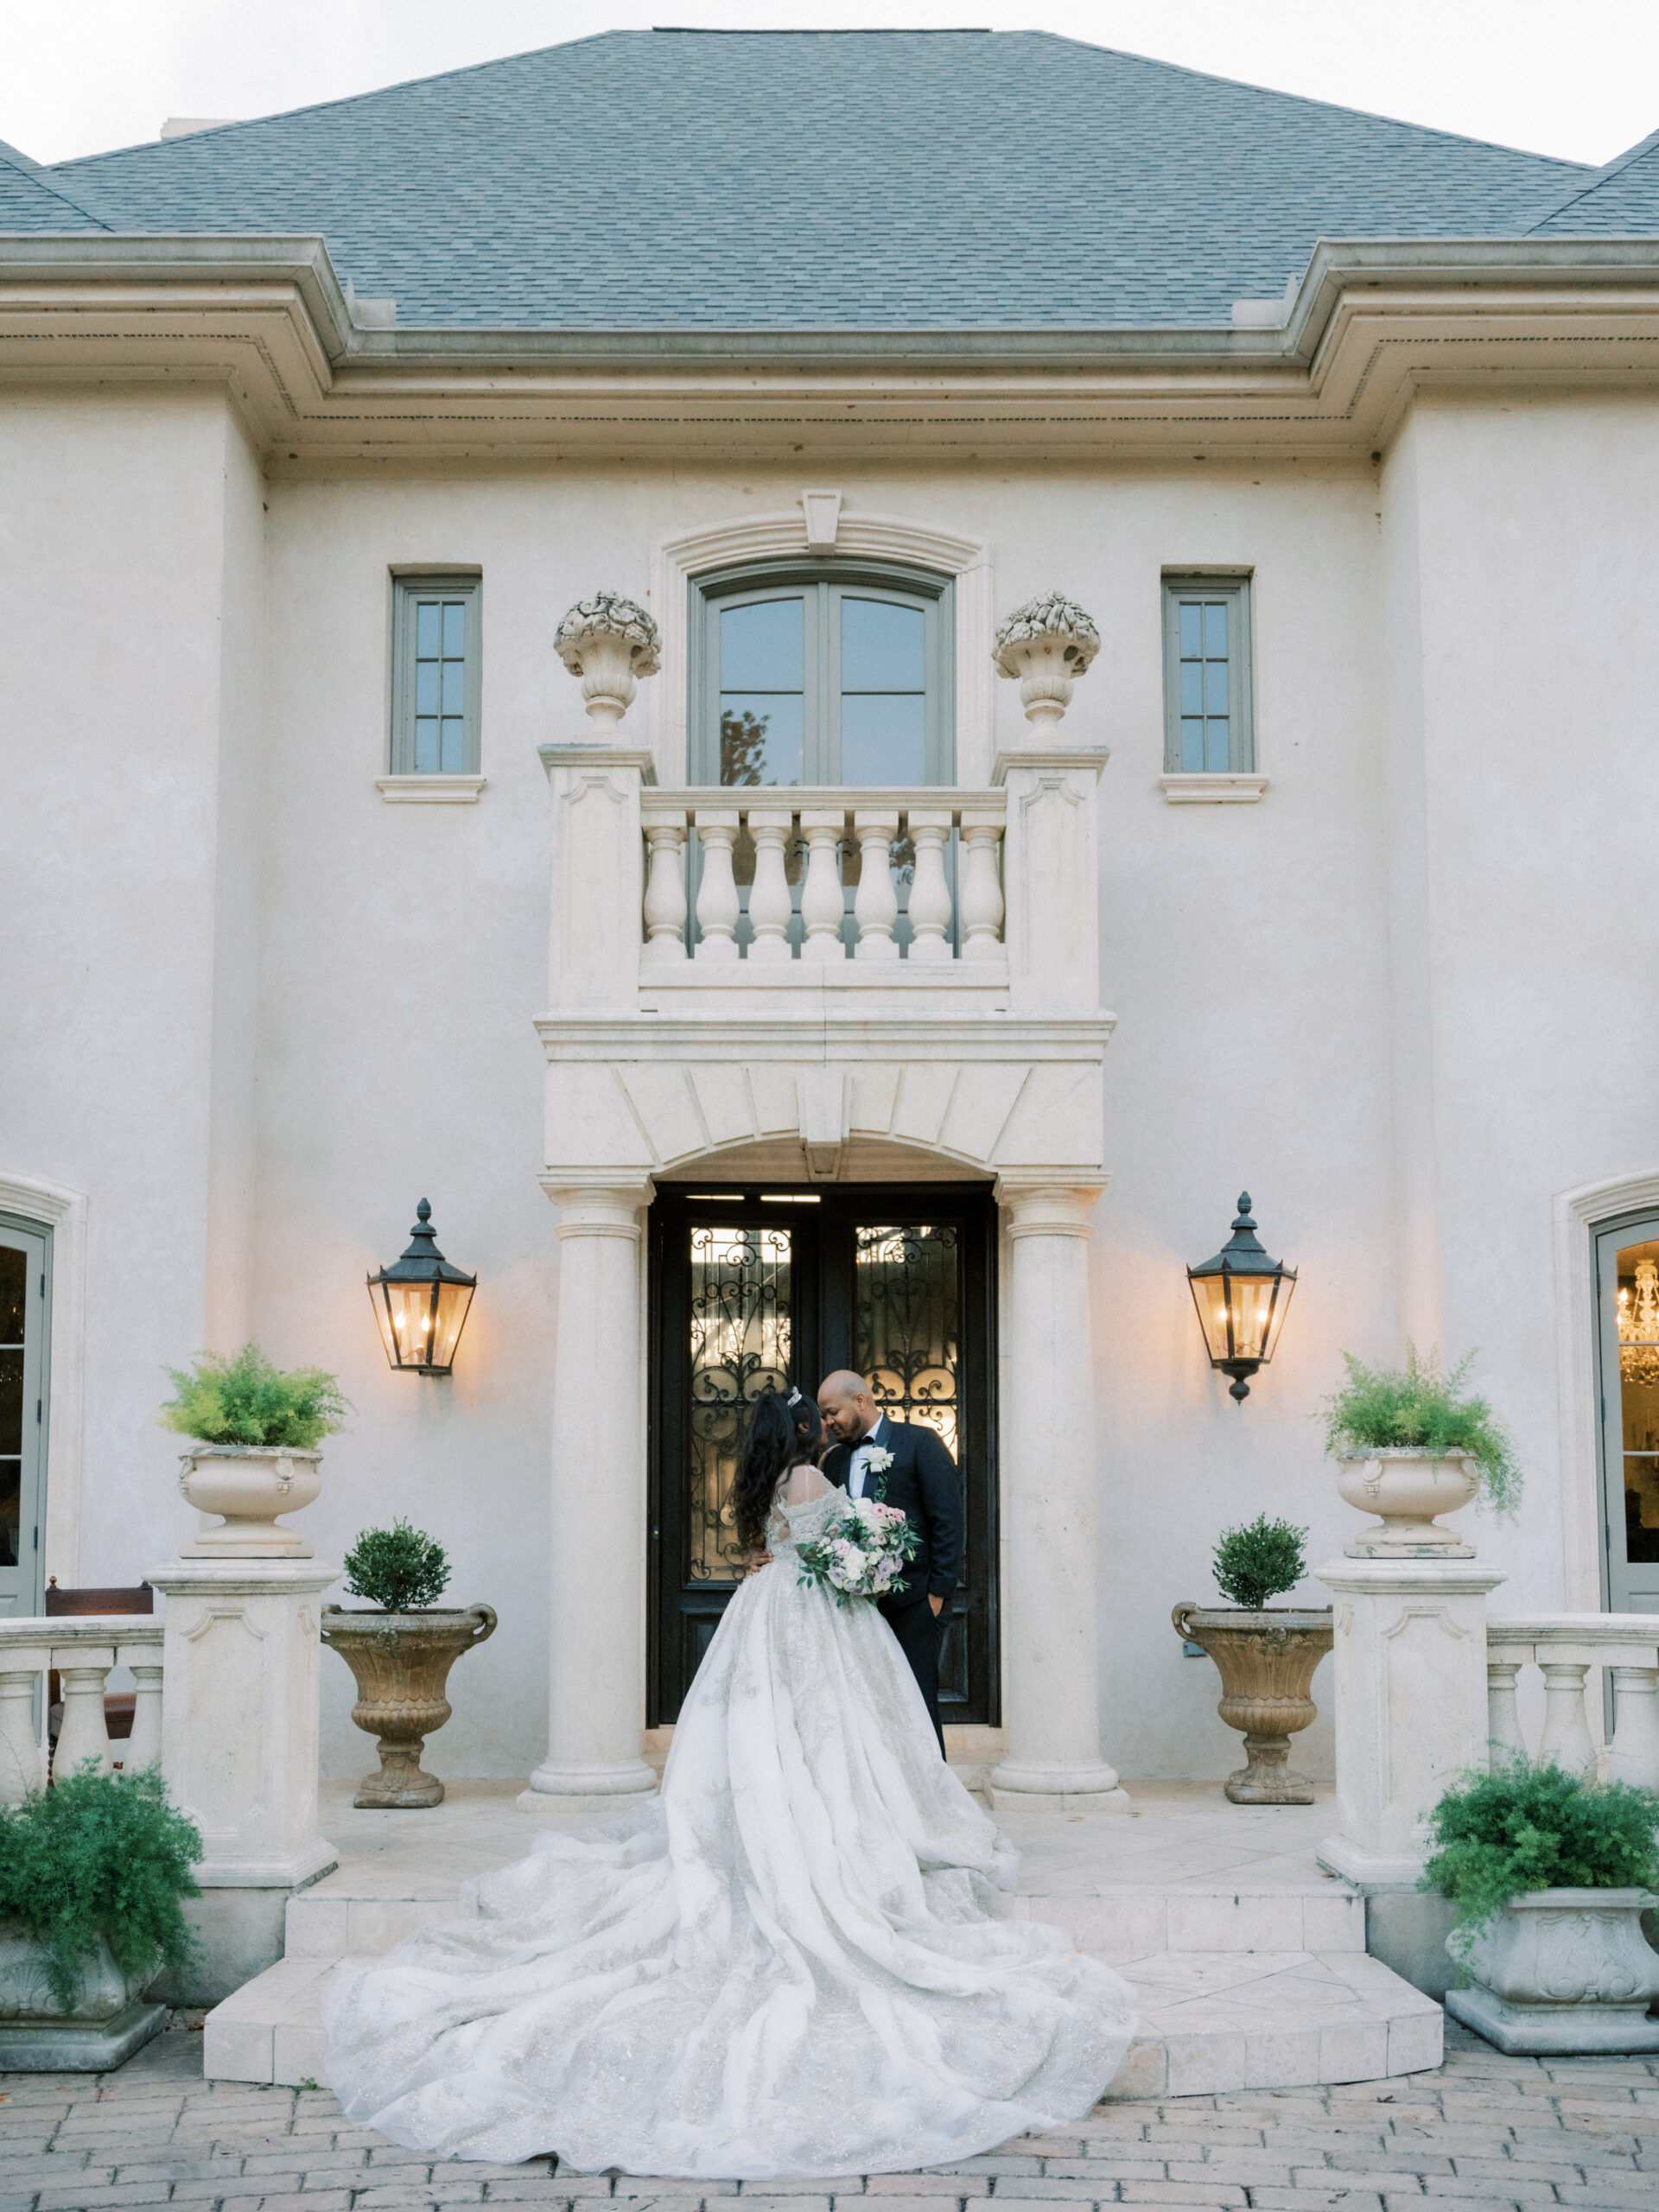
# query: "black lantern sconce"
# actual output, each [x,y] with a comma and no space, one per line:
[421,1303]
[1243,1297]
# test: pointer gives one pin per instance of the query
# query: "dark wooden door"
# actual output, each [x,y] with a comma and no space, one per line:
[759,1287]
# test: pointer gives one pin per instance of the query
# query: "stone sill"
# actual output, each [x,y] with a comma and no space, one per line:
[430,791]
[1195,789]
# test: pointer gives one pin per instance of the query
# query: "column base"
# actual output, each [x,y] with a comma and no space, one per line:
[1353,1863]
[296,1869]
[586,1786]
[1053,1787]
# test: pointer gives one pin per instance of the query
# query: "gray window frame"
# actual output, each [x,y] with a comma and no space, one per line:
[28,1579]
[1234,585]
[935,595]
[409,588]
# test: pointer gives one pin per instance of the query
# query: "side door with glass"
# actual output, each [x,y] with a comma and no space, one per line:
[1627,1276]
[25,1279]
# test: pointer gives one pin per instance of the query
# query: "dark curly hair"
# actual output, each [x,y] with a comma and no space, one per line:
[779,1437]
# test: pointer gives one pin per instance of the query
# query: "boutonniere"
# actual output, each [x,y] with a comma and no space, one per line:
[879,1461]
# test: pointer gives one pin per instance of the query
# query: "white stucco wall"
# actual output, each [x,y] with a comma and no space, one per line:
[1451,678]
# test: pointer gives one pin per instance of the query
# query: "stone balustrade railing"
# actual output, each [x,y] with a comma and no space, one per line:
[82,1652]
[1570,1650]
[813,835]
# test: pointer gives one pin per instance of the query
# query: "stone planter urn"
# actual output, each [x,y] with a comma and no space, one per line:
[1408,1488]
[609,642]
[109,2022]
[1562,1972]
[1047,644]
[1267,1661]
[401,1663]
[250,1485]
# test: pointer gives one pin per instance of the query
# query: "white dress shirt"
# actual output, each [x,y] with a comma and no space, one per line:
[860,1465]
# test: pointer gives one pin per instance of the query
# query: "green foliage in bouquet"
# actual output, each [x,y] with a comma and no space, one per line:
[247,1401]
[1535,1827]
[99,1855]
[1261,1561]
[1419,1406]
[400,1569]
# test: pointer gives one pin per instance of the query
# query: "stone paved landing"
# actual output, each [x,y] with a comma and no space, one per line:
[1499,2134]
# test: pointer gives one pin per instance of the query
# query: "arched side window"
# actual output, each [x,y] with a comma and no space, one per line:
[809,673]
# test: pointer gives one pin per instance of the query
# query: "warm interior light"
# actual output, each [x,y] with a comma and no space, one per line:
[1242,1297]
[420,1303]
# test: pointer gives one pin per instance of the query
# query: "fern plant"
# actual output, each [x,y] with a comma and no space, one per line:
[99,1855]
[1259,1562]
[400,1569]
[1531,1826]
[247,1401]
[1419,1406]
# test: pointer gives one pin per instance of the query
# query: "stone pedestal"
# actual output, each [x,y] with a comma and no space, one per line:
[1050,1694]
[239,1721]
[596,1699]
[1410,1651]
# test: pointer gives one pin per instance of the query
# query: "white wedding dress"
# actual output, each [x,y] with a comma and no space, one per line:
[788,1964]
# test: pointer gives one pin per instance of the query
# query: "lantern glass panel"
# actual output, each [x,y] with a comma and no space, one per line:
[1276,1320]
[454,1299]
[1210,1296]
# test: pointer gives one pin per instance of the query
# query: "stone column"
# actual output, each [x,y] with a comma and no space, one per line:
[240,1716]
[596,1703]
[1410,1651]
[1051,1677]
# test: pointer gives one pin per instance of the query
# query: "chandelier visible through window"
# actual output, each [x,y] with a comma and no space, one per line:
[1638,1326]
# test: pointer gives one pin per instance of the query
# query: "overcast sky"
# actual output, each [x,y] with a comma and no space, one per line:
[1577,77]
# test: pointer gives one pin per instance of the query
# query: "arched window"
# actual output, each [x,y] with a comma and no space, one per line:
[808,674]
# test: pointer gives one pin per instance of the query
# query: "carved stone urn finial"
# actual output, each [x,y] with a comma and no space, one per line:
[609,642]
[1048,642]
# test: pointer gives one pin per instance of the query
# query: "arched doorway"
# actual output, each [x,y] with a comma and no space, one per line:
[757,1285]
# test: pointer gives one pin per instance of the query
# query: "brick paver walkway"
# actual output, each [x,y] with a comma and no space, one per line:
[1482,2131]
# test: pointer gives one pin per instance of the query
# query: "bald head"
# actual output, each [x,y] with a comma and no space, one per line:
[849,1410]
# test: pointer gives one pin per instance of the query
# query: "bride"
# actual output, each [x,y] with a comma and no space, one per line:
[788,1964]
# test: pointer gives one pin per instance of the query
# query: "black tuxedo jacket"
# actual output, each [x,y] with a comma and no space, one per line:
[923,1483]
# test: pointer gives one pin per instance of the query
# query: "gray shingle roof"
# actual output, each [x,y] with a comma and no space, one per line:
[823,179]
[1621,200]
[35,200]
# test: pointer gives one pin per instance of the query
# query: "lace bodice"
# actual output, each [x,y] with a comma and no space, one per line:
[790,1525]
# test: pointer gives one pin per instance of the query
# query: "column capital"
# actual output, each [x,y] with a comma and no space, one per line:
[1048,1201]
[599,1201]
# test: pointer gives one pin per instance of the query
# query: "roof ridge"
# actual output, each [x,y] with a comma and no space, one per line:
[1594,182]
[1118,53]
[45,180]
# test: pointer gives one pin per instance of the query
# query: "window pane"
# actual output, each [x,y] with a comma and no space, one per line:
[426,629]
[14,1273]
[12,1400]
[454,676]
[455,631]
[1191,629]
[1637,1272]
[762,737]
[453,748]
[11,1512]
[883,738]
[1215,687]
[426,687]
[1192,687]
[883,648]
[1215,631]
[1216,756]
[762,647]
[426,745]
[1192,745]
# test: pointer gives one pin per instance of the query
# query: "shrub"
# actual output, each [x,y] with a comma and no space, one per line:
[399,1569]
[99,1855]
[1417,1406]
[1260,1561]
[1536,1827]
[247,1401]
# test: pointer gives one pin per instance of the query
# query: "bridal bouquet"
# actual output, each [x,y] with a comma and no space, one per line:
[862,1555]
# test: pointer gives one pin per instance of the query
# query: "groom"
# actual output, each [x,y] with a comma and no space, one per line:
[922,1482]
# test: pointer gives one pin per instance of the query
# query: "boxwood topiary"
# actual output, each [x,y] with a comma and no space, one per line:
[400,1569]
[99,1855]
[1260,1561]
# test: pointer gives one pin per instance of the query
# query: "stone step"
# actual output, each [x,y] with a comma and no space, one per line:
[1115,1921]
[1211,2021]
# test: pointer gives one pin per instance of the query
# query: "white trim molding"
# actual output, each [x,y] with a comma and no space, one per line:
[429,790]
[874,537]
[1578,1213]
[1193,787]
[63,1213]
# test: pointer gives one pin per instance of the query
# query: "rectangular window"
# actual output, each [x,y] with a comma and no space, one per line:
[435,676]
[1207,689]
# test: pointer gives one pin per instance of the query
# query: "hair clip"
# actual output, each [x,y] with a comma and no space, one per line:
[796,1399]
